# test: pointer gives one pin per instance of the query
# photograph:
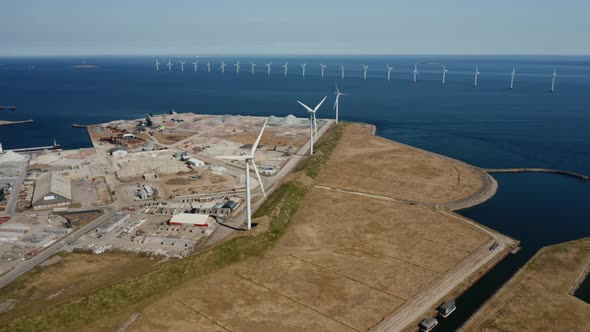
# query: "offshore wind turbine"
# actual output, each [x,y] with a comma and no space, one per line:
[415,72]
[286,66]
[512,77]
[249,159]
[196,63]
[223,65]
[553,77]
[303,65]
[337,102]
[342,71]
[444,72]
[169,65]
[208,67]
[476,76]
[365,73]
[181,65]
[237,65]
[268,68]
[389,69]
[157,65]
[311,121]
[323,67]
[253,65]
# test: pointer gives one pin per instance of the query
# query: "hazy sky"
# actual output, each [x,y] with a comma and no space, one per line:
[62,27]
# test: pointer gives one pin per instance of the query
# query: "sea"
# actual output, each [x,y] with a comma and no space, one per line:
[489,126]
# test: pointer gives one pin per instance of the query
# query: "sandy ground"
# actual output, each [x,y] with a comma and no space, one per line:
[538,297]
[351,258]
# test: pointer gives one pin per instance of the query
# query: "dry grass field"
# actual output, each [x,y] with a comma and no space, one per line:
[538,297]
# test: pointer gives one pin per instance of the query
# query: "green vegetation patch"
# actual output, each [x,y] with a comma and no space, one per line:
[322,151]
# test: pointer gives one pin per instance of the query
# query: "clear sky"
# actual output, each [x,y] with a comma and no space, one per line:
[75,27]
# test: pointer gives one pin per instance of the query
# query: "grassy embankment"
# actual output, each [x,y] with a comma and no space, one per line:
[279,208]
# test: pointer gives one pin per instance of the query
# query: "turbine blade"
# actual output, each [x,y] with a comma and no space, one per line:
[306,107]
[255,146]
[258,176]
[320,104]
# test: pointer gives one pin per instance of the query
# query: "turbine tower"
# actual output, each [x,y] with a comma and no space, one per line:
[253,65]
[311,121]
[196,63]
[237,65]
[512,77]
[365,73]
[323,67]
[268,68]
[415,72]
[342,71]
[303,65]
[223,65]
[476,76]
[181,65]
[286,66]
[157,65]
[208,67]
[389,69]
[337,102]
[249,159]
[553,77]
[169,65]
[444,78]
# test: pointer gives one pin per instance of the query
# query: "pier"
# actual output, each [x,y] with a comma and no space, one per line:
[7,108]
[541,170]
[37,148]
[7,123]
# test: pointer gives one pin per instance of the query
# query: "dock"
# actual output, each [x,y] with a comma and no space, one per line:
[37,148]
[8,123]
[7,108]
[76,125]
[541,170]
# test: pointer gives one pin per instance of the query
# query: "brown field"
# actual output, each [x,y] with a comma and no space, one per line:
[348,260]
[171,138]
[80,219]
[538,297]
[73,275]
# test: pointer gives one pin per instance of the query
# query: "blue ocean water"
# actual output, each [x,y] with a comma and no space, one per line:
[488,126]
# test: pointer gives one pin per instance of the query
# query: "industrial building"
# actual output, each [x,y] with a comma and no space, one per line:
[118,152]
[195,162]
[190,219]
[52,190]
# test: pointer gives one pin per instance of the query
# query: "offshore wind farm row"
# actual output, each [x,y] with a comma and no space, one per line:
[389,68]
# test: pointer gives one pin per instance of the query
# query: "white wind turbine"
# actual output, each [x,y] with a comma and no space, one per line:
[365,67]
[476,76]
[337,102]
[444,77]
[553,77]
[253,65]
[415,72]
[303,66]
[268,68]
[223,65]
[512,77]
[208,67]
[196,63]
[342,71]
[323,67]
[389,69]
[237,65]
[249,159]
[181,65]
[286,66]
[169,65]
[311,121]
[157,65]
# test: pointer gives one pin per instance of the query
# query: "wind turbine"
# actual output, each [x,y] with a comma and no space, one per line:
[208,67]
[303,65]
[512,77]
[181,65]
[237,65]
[253,65]
[323,67]
[337,102]
[553,77]
[169,65]
[365,74]
[476,76]
[286,66]
[389,69]
[268,68]
[415,72]
[223,65]
[196,63]
[342,71]
[157,65]
[249,159]
[445,70]
[311,121]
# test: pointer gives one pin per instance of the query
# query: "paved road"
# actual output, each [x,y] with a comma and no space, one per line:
[17,183]
[55,248]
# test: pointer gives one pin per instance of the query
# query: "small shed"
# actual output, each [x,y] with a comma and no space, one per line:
[118,151]
[189,219]
[195,162]
[232,205]
[447,308]
[428,324]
